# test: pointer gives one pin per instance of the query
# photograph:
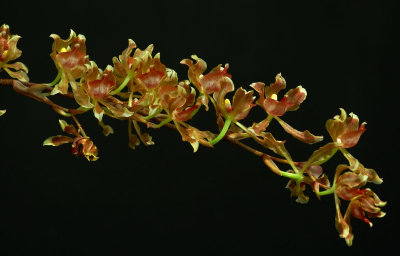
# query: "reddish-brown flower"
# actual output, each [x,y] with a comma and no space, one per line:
[364,203]
[10,52]
[70,58]
[151,73]
[269,97]
[242,101]
[348,187]
[98,85]
[81,144]
[345,130]
[206,84]
[124,63]
[177,100]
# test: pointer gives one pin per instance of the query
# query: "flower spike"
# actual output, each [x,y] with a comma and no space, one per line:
[143,92]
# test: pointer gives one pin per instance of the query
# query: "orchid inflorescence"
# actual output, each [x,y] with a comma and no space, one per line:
[139,88]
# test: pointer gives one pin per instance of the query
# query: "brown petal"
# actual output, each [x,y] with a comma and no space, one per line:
[20,74]
[133,141]
[122,64]
[348,193]
[117,107]
[186,114]
[81,97]
[21,71]
[226,86]
[151,79]
[98,111]
[84,146]
[350,139]
[242,103]
[352,180]
[195,71]
[13,52]
[211,82]
[89,150]
[335,126]
[305,136]
[357,211]
[274,107]
[57,140]
[68,128]
[62,86]
[377,200]
[259,87]
[275,88]
[359,168]
[343,227]
[295,97]
[260,127]
[194,136]
[277,146]
[99,86]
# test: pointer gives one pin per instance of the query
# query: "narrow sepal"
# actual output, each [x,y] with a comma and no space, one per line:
[20,71]
[68,128]
[275,145]
[322,154]
[57,140]
[304,136]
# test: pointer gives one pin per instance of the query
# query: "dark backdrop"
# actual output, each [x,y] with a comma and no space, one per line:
[218,202]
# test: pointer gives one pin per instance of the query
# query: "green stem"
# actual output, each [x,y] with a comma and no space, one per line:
[294,176]
[124,83]
[227,124]
[56,80]
[329,191]
[167,120]
[152,115]
[308,164]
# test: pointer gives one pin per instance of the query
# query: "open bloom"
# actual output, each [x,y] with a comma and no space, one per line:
[70,58]
[345,130]
[178,100]
[269,97]
[10,52]
[206,84]
[124,63]
[242,100]
[364,203]
[97,85]
[362,200]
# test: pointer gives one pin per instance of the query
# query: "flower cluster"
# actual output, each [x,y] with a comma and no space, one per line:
[10,52]
[139,89]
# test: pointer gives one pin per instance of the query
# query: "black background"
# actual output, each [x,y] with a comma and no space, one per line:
[224,201]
